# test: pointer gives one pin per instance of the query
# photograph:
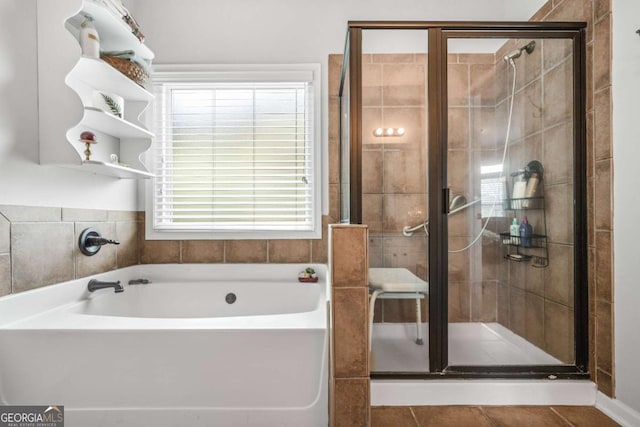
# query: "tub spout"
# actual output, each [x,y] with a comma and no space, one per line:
[95,285]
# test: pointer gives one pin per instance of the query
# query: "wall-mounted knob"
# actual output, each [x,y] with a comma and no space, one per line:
[91,241]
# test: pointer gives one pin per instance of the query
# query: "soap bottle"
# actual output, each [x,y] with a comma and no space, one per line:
[89,40]
[526,232]
[514,232]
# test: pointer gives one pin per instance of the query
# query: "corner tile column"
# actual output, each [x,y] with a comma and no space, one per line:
[350,381]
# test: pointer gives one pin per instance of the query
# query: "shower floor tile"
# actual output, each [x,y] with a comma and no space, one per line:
[394,348]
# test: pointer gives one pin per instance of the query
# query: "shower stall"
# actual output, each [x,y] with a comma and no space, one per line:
[462,147]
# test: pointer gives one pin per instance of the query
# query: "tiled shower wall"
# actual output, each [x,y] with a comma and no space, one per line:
[597,14]
[537,303]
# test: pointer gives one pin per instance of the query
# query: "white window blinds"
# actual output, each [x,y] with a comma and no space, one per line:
[234,155]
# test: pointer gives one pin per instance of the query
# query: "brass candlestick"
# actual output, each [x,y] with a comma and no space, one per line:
[87,144]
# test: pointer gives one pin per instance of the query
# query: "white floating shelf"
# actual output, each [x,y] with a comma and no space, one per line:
[112,169]
[114,33]
[112,125]
[97,73]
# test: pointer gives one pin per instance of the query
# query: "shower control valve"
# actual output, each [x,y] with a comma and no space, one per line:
[91,241]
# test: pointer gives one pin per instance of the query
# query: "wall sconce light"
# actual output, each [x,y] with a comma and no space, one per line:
[389,132]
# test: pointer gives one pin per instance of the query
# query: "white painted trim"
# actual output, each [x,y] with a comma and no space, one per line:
[482,392]
[617,410]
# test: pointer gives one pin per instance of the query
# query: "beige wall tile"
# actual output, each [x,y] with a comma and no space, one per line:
[404,170]
[159,251]
[351,347]
[517,311]
[319,247]
[334,118]
[122,216]
[349,255]
[605,382]
[335,71]
[503,306]
[534,319]
[375,250]
[371,120]
[603,267]
[601,8]
[5,274]
[5,235]
[202,251]
[603,195]
[403,252]
[249,251]
[84,215]
[372,84]
[403,209]
[413,120]
[372,212]
[558,94]
[558,283]
[34,263]
[287,251]
[529,65]
[559,206]
[458,128]
[482,131]
[604,336]
[589,78]
[334,161]
[558,154]
[555,51]
[476,58]
[602,124]
[458,164]
[403,84]
[602,53]
[371,171]
[31,213]
[484,301]
[558,331]
[127,252]
[393,58]
[458,85]
[459,302]
[105,259]
[351,402]
[482,85]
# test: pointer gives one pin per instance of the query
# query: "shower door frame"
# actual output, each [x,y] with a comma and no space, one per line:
[438,35]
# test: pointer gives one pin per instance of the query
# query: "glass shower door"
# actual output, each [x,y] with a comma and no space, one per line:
[510,174]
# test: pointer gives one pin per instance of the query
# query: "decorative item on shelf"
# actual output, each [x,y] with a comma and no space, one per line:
[534,171]
[308,275]
[114,159]
[128,64]
[88,138]
[88,38]
[108,102]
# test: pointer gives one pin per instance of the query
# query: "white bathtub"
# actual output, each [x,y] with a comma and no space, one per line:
[172,352]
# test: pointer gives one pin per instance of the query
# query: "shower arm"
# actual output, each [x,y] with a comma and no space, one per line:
[408,231]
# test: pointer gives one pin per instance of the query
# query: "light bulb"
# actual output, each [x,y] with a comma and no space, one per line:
[400,131]
[390,131]
[378,132]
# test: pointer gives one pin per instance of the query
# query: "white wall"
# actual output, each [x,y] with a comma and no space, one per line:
[22,180]
[626,154]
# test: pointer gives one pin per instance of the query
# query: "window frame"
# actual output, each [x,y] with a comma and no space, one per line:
[243,73]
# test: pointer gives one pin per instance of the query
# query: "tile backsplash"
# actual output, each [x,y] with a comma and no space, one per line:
[38,246]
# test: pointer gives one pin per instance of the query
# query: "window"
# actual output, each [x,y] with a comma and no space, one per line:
[236,153]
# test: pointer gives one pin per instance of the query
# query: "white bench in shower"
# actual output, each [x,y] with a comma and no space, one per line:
[396,283]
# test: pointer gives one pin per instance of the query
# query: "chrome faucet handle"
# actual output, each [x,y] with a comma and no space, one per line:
[91,241]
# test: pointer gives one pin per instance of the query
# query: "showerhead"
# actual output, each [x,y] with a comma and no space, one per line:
[515,54]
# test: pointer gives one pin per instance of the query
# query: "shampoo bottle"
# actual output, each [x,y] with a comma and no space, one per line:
[514,232]
[519,189]
[525,233]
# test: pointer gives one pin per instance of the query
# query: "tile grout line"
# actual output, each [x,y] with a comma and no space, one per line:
[561,417]
[487,417]
[414,416]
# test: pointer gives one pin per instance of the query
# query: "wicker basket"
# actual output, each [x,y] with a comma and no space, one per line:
[128,68]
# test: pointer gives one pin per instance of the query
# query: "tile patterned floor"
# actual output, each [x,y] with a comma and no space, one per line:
[489,416]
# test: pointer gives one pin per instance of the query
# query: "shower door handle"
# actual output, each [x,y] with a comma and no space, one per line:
[445,200]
